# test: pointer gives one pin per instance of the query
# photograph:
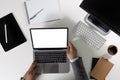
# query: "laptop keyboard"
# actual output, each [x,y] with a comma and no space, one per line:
[50,57]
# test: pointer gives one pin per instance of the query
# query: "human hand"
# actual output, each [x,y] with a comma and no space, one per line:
[71,51]
[31,74]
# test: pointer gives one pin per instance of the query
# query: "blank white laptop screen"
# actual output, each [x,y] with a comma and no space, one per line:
[49,38]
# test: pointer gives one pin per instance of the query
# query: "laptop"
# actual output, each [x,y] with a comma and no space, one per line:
[49,49]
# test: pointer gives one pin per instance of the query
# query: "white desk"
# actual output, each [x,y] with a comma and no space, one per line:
[14,63]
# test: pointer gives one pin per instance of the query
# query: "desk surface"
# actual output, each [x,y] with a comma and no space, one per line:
[14,63]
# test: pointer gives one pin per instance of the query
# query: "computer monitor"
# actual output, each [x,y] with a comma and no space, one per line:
[105,14]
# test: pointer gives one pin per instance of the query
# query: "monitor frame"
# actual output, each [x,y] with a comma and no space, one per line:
[96,17]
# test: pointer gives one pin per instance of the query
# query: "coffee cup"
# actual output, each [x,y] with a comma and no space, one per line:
[112,50]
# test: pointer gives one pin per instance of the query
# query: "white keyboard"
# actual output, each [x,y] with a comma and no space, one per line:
[89,36]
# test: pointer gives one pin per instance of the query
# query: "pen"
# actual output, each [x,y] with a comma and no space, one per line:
[6,39]
[36,14]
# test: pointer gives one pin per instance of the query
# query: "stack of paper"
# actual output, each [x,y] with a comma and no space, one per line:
[42,10]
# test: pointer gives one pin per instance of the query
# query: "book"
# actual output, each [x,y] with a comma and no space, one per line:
[42,10]
[101,69]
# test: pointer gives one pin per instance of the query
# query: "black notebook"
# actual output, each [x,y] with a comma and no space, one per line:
[10,32]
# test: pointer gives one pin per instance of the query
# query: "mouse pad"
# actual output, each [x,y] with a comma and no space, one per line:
[10,32]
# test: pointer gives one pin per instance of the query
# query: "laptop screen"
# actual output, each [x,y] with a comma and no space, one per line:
[49,38]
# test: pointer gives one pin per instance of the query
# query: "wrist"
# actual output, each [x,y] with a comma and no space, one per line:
[72,56]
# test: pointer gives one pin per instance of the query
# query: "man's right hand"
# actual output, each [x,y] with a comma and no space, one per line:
[71,51]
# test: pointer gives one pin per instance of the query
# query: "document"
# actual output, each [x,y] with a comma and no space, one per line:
[42,10]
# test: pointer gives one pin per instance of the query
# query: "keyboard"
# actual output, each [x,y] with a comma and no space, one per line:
[50,57]
[89,36]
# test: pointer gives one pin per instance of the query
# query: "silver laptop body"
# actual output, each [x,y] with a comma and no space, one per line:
[49,49]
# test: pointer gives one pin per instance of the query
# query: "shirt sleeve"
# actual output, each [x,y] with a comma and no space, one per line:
[73,60]
[79,69]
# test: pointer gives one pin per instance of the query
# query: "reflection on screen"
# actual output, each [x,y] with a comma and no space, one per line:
[49,38]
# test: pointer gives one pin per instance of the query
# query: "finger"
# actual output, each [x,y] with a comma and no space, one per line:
[35,68]
[68,49]
[69,43]
[35,74]
[34,71]
[34,64]
[71,46]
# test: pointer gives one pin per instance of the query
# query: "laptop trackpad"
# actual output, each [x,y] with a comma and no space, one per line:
[50,68]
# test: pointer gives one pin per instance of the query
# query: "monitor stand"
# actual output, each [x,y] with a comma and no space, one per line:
[98,25]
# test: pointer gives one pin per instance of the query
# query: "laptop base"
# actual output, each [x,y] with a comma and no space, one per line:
[54,67]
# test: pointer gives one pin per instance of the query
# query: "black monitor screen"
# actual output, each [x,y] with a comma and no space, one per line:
[107,11]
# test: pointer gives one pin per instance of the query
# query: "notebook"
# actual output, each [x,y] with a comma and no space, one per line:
[101,69]
[42,10]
